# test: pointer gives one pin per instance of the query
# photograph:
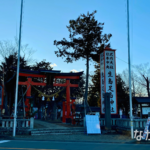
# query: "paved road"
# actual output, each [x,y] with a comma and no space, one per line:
[44,145]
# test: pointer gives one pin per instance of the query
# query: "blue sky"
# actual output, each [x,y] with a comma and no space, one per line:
[45,21]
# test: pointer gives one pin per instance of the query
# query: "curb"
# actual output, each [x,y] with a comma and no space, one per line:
[142,142]
[28,139]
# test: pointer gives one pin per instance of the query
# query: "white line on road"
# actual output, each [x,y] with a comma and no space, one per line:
[4,141]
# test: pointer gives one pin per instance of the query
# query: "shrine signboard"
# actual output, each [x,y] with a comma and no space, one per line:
[108,79]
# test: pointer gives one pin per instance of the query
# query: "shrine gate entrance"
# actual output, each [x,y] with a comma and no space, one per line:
[50,75]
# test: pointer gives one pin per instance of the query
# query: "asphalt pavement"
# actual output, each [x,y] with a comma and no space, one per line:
[51,145]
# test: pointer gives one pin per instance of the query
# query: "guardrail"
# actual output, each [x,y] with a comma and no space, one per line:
[20,123]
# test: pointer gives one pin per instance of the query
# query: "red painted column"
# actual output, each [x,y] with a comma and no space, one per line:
[27,109]
[68,97]
[64,110]
[73,113]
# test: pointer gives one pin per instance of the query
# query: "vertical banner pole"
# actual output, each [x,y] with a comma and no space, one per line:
[17,76]
[129,64]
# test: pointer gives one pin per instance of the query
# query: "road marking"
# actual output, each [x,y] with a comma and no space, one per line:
[25,148]
[4,141]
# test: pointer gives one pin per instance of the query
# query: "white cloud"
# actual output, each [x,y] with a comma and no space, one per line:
[53,65]
[73,70]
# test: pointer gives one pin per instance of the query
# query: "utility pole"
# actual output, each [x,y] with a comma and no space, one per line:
[3,78]
[133,88]
[129,64]
[17,76]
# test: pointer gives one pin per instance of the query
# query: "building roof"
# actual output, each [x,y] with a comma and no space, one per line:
[40,71]
[107,48]
[56,72]
[142,100]
[71,74]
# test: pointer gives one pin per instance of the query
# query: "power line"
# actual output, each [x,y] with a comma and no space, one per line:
[128,63]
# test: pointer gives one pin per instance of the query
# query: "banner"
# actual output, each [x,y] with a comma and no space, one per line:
[102,82]
[108,79]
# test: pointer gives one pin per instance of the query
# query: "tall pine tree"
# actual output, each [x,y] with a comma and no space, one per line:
[86,41]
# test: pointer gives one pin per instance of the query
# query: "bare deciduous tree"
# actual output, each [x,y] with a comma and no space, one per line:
[138,87]
[8,48]
[143,77]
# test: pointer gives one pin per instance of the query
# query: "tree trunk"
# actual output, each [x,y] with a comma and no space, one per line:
[148,89]
[9,103]
[87,82]
[5,103]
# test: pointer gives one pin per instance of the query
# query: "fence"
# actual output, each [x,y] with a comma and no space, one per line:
[20,123]
[125,123]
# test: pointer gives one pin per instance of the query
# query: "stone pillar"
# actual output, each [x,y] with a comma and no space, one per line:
[31,123]
[3,123]
[7,124]
[107,112]
[23,124]
[26,123]
[11,124]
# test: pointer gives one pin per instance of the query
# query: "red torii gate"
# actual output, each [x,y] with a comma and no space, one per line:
[67,85]
[28,83]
